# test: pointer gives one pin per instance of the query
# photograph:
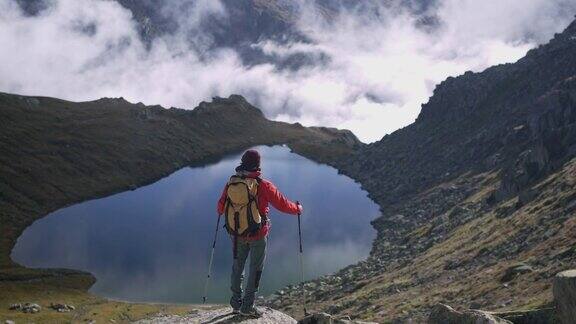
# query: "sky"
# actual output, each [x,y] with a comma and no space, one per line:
[383,65]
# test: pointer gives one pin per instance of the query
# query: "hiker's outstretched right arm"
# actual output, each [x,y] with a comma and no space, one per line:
[279,201]
[222,201]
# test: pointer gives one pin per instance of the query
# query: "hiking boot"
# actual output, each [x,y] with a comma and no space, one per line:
[236,304]
[252,312]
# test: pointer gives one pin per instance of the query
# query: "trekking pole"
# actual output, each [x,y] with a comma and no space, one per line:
[301,265]
[210,263]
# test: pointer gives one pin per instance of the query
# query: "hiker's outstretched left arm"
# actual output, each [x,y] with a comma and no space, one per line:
[279,201]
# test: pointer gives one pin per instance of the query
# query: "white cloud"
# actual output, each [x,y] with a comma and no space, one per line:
[381,68]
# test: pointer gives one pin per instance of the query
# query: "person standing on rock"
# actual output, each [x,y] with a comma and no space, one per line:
[244,204]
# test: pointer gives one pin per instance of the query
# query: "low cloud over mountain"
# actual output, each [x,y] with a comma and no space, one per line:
[362,65]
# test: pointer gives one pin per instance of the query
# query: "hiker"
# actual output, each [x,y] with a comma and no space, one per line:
[244,205]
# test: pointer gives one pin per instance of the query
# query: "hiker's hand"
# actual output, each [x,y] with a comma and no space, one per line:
[300,209]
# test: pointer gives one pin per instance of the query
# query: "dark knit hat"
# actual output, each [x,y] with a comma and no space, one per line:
[250,161]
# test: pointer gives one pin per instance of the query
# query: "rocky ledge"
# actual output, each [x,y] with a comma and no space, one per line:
[222,315]
[225,315]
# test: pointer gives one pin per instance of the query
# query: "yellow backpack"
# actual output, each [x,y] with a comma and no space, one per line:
[241,209]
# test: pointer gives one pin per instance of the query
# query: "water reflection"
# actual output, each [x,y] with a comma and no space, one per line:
[152,244]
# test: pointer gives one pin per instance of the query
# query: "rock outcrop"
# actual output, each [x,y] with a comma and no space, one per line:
[221,315]
[515,271]
[565,296]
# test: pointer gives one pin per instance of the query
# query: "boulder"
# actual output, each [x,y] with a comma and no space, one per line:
[15,307]
[526,196]
[529,166]
[564,290]
[444,314]
[514,271]
[62,308]
[31,308]
[221,315]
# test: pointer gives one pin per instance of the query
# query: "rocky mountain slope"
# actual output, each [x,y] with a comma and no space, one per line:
[478,196]
[244,21]
[55,153]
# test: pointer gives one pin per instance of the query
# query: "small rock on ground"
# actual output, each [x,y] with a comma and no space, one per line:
[222,316]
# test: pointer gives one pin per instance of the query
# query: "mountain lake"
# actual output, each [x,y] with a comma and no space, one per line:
[153,244]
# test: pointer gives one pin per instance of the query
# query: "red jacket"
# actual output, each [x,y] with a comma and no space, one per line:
[267,193]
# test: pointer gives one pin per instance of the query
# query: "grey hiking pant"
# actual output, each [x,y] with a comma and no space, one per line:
[257,252]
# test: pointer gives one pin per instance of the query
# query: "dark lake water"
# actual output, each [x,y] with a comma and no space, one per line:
[152,244]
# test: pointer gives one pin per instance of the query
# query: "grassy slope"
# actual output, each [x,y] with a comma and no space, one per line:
[55,153]
[547,225]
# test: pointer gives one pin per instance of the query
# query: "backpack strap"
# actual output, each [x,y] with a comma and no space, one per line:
[236,221]
[264,216]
